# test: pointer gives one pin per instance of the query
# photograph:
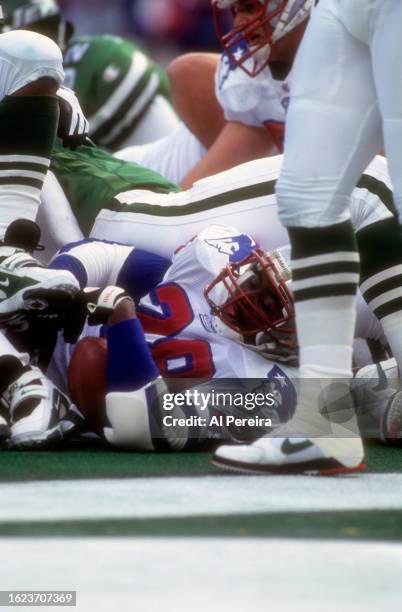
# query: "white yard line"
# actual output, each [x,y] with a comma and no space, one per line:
[230,575]
[209,495]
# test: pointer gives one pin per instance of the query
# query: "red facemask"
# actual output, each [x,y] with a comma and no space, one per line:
[258,297]
[245,34]
[269,21]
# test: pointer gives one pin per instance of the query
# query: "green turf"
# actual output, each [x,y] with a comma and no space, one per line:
[99,462]
[382,525]
[103,462]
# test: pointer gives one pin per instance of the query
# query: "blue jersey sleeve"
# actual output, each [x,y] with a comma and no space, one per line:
[141,272]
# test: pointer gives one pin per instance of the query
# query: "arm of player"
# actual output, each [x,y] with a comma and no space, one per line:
[98,263]
[193,94]
[135,391]
[237,143]
[129,371]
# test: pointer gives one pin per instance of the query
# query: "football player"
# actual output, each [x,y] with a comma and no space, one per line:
[345,101]
[32,109]
[181,332]
[181,345]
[252,84]
[124,94]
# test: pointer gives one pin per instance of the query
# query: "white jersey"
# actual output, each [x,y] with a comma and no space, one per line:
[177,312]
[261,101]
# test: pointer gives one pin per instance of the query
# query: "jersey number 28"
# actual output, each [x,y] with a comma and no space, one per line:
[175,357]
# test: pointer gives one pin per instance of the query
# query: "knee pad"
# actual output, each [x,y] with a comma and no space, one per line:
[26,57]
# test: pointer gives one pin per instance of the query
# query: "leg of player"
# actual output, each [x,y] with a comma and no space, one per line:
[384,43]
[380,247]
[333,131]
[243,197]
[31,69]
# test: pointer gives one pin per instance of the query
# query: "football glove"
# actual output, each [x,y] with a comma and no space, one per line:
[73,125]
[100,303]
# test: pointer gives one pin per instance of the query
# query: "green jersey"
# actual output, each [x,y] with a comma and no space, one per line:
[91,178]
[115,82]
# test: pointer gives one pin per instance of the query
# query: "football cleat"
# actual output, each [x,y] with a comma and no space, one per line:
[273,455]
[28,288]
[391,430]
[378,395]
[40,415]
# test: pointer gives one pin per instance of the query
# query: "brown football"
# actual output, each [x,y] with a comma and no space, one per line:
[87,380]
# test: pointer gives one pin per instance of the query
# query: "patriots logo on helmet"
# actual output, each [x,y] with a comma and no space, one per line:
[237,247]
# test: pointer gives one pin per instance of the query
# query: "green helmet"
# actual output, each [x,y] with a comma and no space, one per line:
[41,16]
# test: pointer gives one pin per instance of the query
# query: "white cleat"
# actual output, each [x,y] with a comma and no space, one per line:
[40,415]
[391,429]
[276,455]
[377,389]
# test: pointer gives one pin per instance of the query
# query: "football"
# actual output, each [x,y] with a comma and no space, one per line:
[87,380]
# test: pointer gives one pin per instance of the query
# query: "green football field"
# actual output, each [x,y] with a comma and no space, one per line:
[98,510]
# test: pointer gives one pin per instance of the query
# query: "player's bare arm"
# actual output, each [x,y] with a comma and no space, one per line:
[192,87]
[237,143]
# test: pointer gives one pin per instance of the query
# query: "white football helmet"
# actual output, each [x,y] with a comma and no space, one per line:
[253,296]
[255,38]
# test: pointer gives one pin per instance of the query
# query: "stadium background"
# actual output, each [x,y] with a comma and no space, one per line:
[165,27]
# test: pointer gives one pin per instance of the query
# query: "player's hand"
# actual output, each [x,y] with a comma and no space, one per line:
[101,303]
[73,125]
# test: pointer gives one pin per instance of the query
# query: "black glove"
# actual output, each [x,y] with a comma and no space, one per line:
[73,125]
